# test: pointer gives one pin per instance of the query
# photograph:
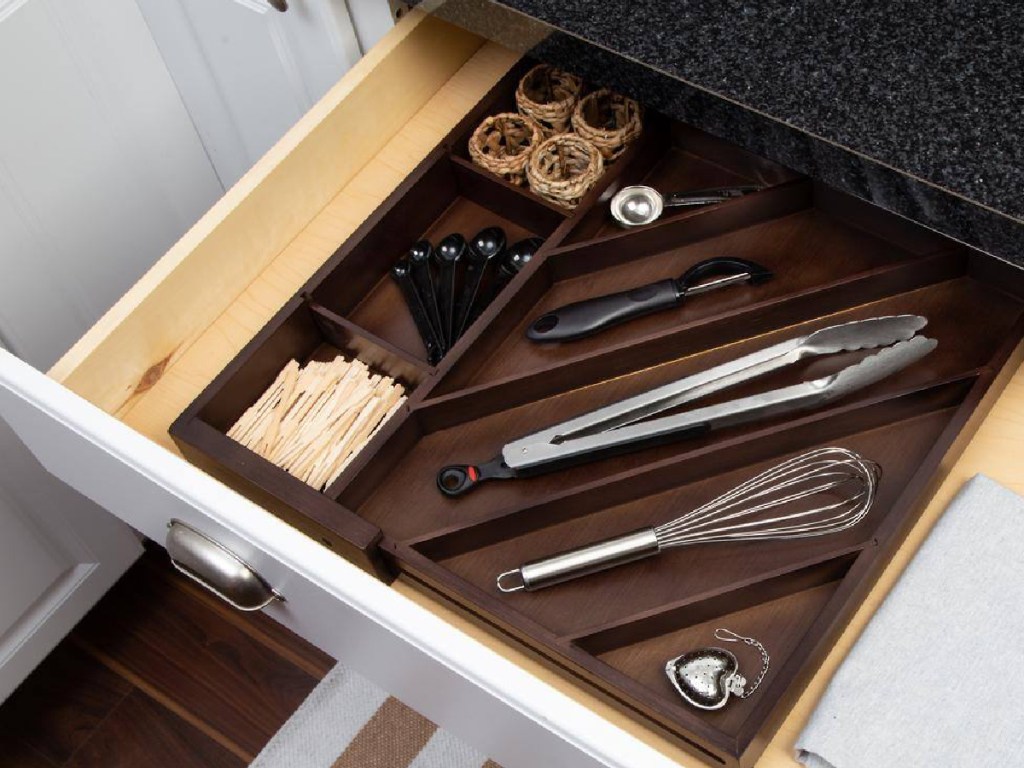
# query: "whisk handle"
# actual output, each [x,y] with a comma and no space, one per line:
[582,561]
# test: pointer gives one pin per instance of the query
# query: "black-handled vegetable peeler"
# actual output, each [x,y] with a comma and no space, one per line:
[585,318]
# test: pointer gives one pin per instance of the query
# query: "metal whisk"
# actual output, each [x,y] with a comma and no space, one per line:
[749,512]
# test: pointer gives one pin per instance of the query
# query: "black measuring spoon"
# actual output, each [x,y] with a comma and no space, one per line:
[485,248]
[420,256]
[402,274]
[449,253]
[517,256]
[585,318]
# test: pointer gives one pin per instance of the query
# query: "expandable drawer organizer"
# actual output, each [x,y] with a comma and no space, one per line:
[832,256]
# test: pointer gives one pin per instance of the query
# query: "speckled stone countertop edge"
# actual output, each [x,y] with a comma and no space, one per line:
[925,202]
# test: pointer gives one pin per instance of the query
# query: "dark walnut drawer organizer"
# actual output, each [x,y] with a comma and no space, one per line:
[833,257]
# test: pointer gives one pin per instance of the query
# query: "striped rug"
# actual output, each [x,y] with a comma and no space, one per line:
[348,722]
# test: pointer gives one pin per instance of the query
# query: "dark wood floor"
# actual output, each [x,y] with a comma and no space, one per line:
[159,674]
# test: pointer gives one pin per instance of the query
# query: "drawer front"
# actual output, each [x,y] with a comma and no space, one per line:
[446,675]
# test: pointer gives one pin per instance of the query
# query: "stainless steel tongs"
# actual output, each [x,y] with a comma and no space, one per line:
[620,427]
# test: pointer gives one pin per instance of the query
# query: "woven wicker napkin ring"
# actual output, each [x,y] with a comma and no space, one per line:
[548,96]
[607,120]
[503,144]
[564,168]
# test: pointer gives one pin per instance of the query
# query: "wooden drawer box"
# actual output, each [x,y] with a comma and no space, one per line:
[834,259]
[100,422]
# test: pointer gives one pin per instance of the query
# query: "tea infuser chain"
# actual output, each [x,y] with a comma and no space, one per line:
[728,636]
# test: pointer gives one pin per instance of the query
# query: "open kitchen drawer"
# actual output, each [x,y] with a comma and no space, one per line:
[173,334]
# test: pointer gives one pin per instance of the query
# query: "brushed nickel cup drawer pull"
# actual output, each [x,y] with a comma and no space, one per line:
[217,568]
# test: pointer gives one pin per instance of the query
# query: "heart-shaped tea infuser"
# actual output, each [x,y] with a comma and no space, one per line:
[707,677]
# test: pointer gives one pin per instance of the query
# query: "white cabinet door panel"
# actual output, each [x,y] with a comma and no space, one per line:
[246,72]
[449,677]
[59,553]
[26,561]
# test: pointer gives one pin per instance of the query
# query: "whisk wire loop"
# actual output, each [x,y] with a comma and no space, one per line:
[715,511]
[739,514]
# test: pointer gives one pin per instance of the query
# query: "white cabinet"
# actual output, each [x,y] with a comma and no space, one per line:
[58,554]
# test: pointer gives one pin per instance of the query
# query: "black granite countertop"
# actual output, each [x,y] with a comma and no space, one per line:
[914,105]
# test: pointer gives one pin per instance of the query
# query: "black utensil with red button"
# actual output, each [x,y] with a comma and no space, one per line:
[585,318]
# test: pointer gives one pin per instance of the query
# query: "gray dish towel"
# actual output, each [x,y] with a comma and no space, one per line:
[937,677]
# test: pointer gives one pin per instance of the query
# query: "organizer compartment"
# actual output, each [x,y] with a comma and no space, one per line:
[779,623]
[472,427]
[835,259]
[305,331]
[479,553]
[447,195]
[812,241]
[638,155]
[685,159]
[302,331]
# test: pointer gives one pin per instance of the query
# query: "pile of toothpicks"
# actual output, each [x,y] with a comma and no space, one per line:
[315,418]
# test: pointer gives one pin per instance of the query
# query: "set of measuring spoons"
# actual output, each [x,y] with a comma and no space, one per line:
[446,288]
